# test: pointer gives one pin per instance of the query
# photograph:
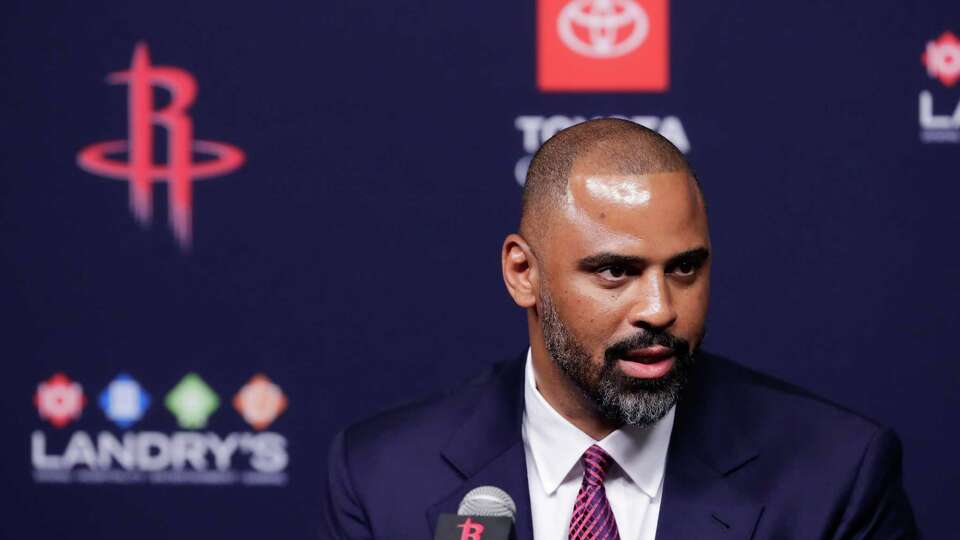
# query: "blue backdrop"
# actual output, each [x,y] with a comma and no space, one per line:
[353,259]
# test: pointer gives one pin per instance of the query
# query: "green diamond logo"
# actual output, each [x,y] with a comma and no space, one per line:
[192,402]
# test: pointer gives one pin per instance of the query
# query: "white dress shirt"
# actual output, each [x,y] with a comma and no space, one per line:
[554,447]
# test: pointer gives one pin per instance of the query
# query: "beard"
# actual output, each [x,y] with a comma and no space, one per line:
[618,397]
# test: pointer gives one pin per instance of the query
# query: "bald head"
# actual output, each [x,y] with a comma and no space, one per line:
[607,146]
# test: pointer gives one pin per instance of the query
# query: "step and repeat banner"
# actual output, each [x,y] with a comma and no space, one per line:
[230,230]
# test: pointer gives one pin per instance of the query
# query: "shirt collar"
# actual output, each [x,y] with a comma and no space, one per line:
[557,445]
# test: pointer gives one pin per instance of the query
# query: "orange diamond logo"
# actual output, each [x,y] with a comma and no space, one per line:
[260,402]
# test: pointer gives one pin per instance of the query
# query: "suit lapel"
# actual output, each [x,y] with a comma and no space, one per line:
[708,447]
[700,504]
[487,449]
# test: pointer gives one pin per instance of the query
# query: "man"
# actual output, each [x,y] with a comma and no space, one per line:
[615,424]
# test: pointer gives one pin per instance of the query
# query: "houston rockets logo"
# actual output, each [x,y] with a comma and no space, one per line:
[471,530]
[942,58]
[140,169]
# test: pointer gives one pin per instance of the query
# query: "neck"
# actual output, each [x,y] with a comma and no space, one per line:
[563,394]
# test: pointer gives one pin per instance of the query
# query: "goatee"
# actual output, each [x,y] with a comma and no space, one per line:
[618,397]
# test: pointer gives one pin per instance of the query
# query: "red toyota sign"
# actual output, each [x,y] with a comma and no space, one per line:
[603,46]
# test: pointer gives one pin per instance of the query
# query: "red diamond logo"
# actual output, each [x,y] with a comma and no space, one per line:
[942,58]
[59,400]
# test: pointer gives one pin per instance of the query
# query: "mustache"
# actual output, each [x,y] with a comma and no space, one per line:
[645,339]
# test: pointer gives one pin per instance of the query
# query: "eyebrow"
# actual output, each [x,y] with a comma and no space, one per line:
[696,255]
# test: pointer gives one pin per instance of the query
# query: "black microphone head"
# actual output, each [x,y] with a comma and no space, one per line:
[488,501]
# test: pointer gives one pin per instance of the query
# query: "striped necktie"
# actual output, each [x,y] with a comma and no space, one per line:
[592,516]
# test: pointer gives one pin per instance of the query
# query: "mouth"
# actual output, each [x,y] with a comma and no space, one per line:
[648,362]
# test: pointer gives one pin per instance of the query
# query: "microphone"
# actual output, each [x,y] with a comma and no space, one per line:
[485,513]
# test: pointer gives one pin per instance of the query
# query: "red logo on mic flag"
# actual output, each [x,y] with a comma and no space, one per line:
[471,530]
[140,169]
[603,45]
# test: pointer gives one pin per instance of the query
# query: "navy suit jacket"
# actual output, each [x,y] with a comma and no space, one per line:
[749,457]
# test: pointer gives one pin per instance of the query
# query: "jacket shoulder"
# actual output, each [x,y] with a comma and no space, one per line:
[770,408]
[422,424]
[818,464]
[387,469]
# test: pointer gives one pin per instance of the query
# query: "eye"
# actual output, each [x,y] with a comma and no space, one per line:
[685,268]
[613,273]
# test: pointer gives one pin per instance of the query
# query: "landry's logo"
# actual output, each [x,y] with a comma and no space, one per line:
[124,401]
[260,402]
[939,106]
[942,58]
[83,455]
[602,45]
[59,400]
[192,402]
[140,168]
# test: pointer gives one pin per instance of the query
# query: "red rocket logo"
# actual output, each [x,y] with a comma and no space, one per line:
[59,400]
[140,168]
[471,530]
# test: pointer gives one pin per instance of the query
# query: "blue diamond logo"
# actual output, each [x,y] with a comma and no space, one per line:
[124,401]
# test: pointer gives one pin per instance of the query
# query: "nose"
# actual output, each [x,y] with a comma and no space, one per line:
[653,308]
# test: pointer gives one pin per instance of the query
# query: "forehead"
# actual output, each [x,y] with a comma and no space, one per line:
[652,215]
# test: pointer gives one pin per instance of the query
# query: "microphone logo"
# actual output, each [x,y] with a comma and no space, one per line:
[140,169]
[471,530]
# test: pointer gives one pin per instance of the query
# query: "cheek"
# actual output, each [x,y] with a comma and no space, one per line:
[592,314]
[691,305]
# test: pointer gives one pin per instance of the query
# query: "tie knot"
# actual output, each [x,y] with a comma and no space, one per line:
[596,463]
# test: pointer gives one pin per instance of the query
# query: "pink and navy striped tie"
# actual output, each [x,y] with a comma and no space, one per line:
[592,516]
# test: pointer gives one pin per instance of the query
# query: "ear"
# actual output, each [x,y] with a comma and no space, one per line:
[521,274]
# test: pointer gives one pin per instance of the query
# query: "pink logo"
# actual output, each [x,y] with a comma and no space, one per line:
[140,169]
[471,530]
[942,58]
[59,400]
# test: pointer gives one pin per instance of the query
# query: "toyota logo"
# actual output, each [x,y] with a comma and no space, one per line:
[603,28]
